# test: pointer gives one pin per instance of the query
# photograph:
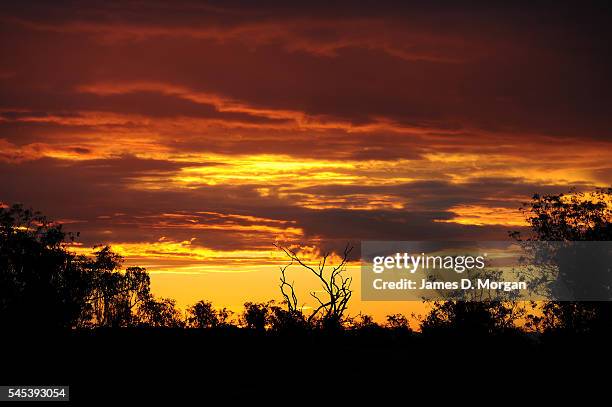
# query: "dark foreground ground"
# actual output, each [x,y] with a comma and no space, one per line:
[189,367]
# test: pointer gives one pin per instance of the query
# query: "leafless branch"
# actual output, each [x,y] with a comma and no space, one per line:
[336,287]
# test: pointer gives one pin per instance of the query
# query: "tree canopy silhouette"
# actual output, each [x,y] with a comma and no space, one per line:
[203,315]
[41,283]
[573,217]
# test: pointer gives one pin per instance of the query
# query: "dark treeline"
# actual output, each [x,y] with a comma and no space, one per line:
[44,285]
[87,322]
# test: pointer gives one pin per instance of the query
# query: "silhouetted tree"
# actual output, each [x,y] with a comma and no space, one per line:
[255,315]
[41,283]
[203,315]
[159,313]
[576,216]
[330,309]
[116,294]
[134,288]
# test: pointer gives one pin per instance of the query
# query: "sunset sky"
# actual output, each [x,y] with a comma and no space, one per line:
[193,136]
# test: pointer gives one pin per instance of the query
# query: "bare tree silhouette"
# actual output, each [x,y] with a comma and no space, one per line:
[291,299]
[331,307]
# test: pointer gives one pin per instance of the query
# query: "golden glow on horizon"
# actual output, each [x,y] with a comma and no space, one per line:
[188,273]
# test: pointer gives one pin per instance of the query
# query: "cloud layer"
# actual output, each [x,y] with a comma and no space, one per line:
[198,133]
